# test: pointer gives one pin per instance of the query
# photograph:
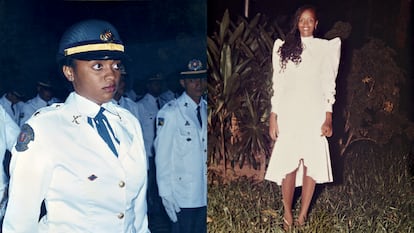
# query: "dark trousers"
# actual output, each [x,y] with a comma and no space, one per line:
[191,220]
[158,220]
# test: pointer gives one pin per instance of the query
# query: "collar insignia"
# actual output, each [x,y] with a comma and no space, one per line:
[75,119]
[187,123]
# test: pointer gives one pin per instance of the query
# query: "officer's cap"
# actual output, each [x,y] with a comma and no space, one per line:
[17,93]
[195,69]
[155,77]
[45,84]
[91,40]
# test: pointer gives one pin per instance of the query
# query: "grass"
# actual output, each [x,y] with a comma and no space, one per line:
[375,194]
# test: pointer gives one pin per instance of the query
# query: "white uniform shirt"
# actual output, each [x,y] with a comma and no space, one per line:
[85,186]
[128,104]
[32,105]
[167,96]
[147,112]
[12,110]
[181,152]
[8,135]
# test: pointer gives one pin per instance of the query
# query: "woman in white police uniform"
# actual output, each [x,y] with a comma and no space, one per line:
[89,184]
[181,154]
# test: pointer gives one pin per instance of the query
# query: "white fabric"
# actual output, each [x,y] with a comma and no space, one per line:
[8,135]
[128,104]
[302,95]
[147,112]
[31,106]
[7,105]
[181,152]
[168,95]
[85,186]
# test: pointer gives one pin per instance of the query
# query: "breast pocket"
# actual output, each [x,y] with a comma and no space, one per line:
[186,140]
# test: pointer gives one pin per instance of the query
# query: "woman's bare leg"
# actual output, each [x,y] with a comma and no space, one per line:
[308,189]
[288,190]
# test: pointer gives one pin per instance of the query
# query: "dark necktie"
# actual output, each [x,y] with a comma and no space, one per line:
[199,116]
[12,108]
[100,122]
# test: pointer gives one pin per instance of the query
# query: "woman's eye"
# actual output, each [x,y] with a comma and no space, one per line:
[97,66]
[117,66]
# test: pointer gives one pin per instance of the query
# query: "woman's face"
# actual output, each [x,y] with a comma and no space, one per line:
[307,23]
[96,80]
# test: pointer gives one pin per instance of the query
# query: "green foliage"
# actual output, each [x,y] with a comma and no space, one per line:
[239,89]
[373,86]
[375,196]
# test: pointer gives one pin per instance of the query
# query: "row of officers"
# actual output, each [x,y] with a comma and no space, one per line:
[100,161]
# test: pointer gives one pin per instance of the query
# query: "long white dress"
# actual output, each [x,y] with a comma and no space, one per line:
[303,94]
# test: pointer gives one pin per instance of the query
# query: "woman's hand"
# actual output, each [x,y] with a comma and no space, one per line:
[327,125]
[273,127]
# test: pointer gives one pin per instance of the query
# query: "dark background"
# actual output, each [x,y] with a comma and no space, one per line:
[161,36]
[388,20]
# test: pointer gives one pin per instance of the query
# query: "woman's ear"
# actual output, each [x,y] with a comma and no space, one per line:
[68,72]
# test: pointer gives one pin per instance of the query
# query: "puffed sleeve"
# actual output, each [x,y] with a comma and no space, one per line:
[276,74]
[330,71]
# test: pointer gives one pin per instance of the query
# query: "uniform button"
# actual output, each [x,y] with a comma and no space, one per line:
[121,184]
[205,150]
[121,215]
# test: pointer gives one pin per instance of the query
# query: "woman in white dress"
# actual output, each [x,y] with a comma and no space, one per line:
[304,73]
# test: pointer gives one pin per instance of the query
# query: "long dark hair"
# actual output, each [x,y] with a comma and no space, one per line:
[292,48]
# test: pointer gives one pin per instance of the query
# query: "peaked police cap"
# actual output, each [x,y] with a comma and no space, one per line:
[91,40]
[194,70]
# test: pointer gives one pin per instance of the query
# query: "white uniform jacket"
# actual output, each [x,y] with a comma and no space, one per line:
[181,152]
[31,106]
[85,186]
[128,104]
[12,110]
[8,135]
[147,112]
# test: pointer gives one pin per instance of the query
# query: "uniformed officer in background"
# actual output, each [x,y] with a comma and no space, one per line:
[8,135]
[85,158]
[181,153]
[43,98]
[148,108]
[120,98]
[12,103]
